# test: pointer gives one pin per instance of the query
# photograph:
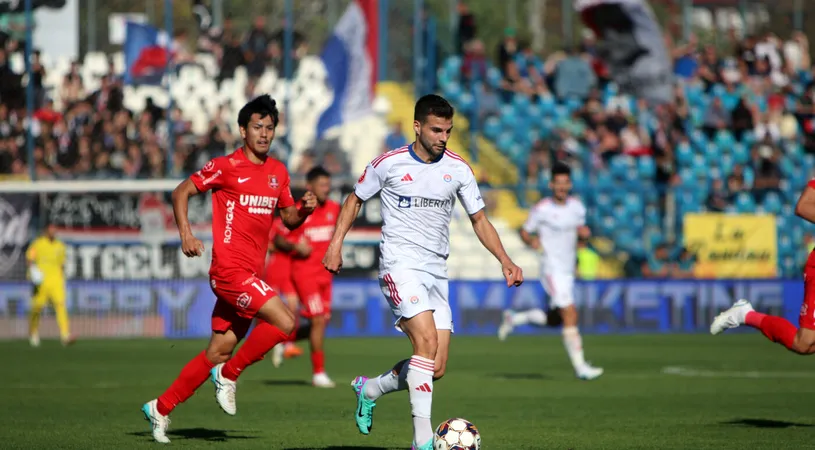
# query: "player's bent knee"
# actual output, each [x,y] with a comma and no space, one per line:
[441,369]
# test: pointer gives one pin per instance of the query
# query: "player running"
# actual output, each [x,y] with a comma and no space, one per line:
[779,329]
[46,257]
[247,187]
[419,185]
[278,276]
[553,227]
[311,281]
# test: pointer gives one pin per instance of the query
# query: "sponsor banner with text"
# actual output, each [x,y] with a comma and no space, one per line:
[182,309]
[732,246]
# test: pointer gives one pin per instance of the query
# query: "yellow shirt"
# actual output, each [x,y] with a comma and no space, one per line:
[588,264]
[48,255]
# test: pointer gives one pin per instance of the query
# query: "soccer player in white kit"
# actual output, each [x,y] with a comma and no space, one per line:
[552,228]
[419,185]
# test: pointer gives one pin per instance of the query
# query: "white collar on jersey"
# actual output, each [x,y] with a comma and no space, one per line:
[416,157]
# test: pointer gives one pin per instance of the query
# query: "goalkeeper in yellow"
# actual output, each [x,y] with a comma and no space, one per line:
[46,256]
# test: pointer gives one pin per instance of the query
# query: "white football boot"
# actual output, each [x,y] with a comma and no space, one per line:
[224,390]
[34,340]
[321,380]
[588,372]
[277,354]
[506,326]
[158,423]
[731,318]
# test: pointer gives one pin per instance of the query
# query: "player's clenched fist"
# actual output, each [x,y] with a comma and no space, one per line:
[192,246]
[332,261]
[513,274]
[309,201]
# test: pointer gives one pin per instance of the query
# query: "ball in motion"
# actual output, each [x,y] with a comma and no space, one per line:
[457,434]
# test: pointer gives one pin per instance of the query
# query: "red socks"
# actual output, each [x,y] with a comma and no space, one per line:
[777,329]
[193,375]
[259,342]
[318,362]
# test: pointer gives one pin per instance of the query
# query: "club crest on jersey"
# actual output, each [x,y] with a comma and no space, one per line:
[209,166]
[243,300]
[447,178]
[273,182]
[414,299]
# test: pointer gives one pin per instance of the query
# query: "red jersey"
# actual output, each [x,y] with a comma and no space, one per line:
[244,197]
[278,266]
[318,230]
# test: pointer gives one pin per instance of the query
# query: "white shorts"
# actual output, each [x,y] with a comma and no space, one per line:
[560,288]
[410,292]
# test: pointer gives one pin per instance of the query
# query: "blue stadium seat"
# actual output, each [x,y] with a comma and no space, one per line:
[741,155]
[505,141]
[647,167]
[547,104]
[492,128]
[521,103]
[724,139]
[494,77]
[465,103]
[508,116]
[745,203]
[772,203]
[684,155]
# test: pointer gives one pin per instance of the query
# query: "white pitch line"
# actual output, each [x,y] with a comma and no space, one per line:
[698,373]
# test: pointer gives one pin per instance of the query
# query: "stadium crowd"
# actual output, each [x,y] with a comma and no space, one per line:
[92,135]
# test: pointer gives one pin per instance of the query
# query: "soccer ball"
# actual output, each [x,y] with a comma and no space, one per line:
[456,434]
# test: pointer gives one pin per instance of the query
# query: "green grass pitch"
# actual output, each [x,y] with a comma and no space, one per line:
[728,392]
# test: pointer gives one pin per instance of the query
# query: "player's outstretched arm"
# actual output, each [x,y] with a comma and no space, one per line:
[530,240]
[491,241]
[805,208]
[293,216]
[332,260]
[181,199]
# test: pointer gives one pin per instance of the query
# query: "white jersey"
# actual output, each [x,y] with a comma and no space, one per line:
[556,226]
[418,199]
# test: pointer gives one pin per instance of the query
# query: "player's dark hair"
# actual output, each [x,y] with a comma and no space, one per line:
[561,168]
[263,105]
[317,172]
[432,105]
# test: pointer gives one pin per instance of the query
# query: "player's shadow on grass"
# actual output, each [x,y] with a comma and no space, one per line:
[202,434]
[340,447]
[521,376]
[286,383]
[765,423]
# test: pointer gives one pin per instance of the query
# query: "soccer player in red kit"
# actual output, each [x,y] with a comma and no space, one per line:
[247,186]
[311,280]
[278,276]
[778,329]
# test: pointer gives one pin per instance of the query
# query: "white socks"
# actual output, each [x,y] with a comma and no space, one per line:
[574,347]
[420,383]
[388,382]
[532,316]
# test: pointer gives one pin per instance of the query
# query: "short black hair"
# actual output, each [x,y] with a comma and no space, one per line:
[317,172]
[561,168]
[263,105]
[432,105]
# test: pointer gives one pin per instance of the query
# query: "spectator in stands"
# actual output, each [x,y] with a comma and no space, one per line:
[718,198]
[765,167]
[232,56]
[658,264]
[395,138]
[684,266]
[474,64]
[507,49]
[716,118]
[574,77]
[73,89]
[467,29]
[741,119]
[256,48]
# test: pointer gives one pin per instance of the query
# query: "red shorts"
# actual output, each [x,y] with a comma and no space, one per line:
[278,275]
[315,297]
[239,297]
[807,317]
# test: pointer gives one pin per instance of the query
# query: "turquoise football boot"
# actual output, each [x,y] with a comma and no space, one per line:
[365,407]
[427,446]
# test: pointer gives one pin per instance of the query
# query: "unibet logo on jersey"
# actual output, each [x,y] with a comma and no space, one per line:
[420,202]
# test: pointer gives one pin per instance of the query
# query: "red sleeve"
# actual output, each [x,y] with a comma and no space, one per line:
[811,183]
[285,200]
[209,177]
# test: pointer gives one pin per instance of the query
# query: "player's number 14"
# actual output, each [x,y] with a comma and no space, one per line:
[262,287]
